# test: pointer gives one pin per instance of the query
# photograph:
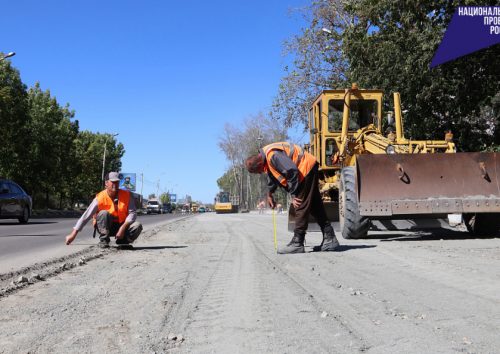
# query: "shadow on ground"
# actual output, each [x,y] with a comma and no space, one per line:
[343,248]
[156,247]
[429,235]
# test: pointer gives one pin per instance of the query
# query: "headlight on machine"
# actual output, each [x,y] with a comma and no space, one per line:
[390,149]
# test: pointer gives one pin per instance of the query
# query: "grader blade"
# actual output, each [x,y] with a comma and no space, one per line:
[404,184]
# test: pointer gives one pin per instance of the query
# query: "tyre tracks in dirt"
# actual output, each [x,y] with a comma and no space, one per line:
[404,296]
[250,303]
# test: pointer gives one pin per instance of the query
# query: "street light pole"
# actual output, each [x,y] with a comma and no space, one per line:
[104,155]
[8,55]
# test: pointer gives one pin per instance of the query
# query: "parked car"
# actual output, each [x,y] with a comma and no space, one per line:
[15,203]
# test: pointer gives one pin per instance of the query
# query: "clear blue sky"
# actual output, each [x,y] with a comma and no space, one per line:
[165,75]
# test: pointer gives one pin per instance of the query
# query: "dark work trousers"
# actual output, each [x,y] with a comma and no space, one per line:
[106,226]
[311,203]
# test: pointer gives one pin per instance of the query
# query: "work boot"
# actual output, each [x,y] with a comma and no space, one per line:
[296,245]
[124,245]
[123,241]
[103,242]
[330,242]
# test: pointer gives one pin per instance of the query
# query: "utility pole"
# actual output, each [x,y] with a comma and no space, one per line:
[142,181]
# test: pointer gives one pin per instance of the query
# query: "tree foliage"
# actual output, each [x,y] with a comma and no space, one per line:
[238,143]
[14,120]
[89,153]
[165,198]
[318,61]
[52,134]
[42,148]
[389,45]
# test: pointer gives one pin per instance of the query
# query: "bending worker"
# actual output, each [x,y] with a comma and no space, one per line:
[295,170]
[116,215]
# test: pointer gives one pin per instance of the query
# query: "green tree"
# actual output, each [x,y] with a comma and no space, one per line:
[228,183]
[165,198]
[89,149]
[14,120]
[390,47]
[240,142]
[51,146]
[317,58]
[42,148]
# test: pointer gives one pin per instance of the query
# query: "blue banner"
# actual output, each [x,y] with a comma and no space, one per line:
[471,28]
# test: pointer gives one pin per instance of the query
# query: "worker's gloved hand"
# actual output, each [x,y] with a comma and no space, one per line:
[270,201]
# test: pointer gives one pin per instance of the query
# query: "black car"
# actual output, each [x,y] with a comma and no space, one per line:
[166,208]
[15,203]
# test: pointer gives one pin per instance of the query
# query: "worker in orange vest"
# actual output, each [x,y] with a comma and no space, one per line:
[115,215]
[295,170]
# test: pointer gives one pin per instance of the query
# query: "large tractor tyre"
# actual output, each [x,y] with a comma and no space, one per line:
[483,224]
[352,225]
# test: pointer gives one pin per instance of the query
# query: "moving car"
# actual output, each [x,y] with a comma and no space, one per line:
[153,207]
[15,203]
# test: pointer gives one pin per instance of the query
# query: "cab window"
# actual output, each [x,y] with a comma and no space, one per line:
[363,112]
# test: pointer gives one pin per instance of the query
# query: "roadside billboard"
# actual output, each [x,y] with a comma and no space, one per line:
[127,181]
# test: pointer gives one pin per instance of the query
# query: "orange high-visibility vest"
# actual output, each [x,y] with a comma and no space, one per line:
[104,202]
[302,159]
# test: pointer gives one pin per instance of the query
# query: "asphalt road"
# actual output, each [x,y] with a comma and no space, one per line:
[22,245]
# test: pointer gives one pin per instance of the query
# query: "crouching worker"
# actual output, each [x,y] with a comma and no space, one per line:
[115,215]
[295,170]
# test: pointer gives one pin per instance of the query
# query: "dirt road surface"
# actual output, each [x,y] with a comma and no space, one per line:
[214,284]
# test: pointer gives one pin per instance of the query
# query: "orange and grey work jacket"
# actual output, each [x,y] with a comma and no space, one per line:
[287,164]
[120,211]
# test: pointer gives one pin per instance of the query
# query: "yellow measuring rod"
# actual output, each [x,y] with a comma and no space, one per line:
[274,227]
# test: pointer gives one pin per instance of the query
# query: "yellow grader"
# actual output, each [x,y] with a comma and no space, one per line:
[367,174]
